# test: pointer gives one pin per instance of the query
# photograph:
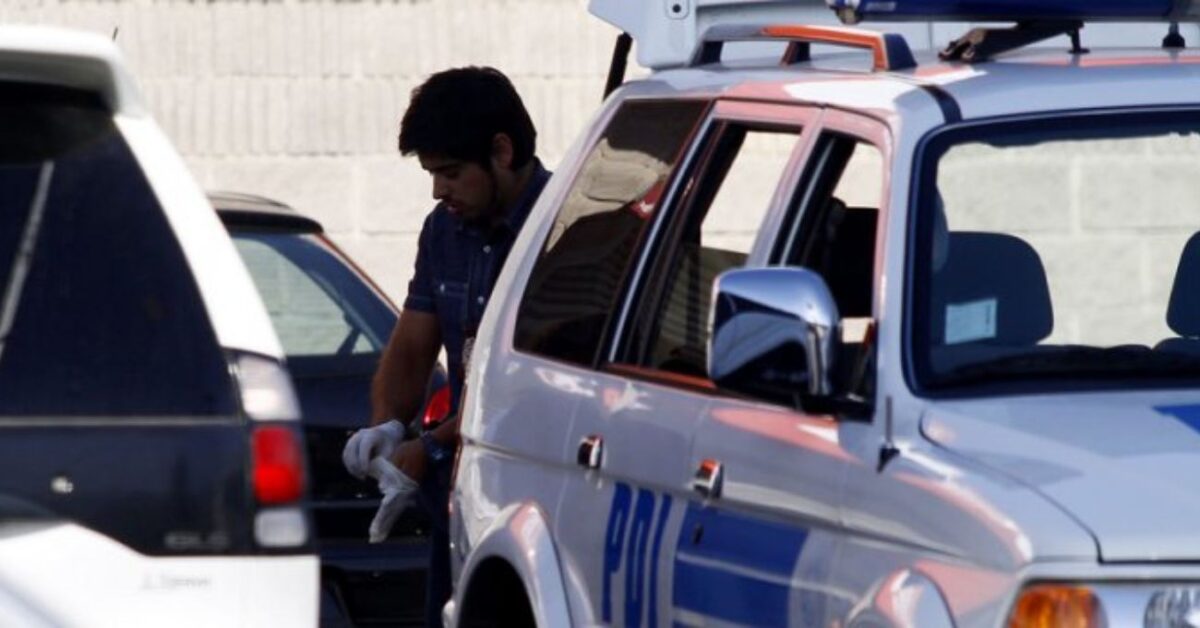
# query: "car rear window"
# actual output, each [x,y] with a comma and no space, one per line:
[99,313]
[318,305]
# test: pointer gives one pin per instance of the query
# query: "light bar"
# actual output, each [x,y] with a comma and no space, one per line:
[853,11]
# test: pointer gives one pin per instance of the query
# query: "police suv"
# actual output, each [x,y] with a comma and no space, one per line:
[853,339]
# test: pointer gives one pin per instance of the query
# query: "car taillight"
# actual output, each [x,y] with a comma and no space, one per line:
[278,466]
[437,408]
[266,389]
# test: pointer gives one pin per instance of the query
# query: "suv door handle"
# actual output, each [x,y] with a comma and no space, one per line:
[591,452]
[709,478]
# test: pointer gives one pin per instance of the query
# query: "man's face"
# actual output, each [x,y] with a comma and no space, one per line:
[466,188]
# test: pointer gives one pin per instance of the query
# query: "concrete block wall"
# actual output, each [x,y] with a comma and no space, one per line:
[300,100]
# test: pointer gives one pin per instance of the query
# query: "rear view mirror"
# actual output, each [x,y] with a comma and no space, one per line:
[774,335]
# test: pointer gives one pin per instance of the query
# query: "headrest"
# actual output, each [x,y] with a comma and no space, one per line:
[992,288]
[1183,312]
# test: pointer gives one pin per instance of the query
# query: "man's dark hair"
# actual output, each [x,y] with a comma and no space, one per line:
[456,113]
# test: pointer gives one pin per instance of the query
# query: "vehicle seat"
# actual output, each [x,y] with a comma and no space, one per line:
[1183,310]
[990,275]
[848,261]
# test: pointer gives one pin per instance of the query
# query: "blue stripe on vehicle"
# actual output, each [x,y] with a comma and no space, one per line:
[614,537]
[635,561]
[664,511]
[1189,415]
[737,569]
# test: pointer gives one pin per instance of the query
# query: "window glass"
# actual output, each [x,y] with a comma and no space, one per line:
[317,305]
[1062,253]
[732,197]
[836,230]
[575,282]
[99,313]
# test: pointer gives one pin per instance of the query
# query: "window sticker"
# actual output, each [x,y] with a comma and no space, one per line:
[970,321]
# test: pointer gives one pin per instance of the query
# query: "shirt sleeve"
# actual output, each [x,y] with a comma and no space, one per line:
[420,287]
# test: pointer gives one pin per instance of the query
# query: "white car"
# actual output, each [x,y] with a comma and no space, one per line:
[877,338]
[152,469]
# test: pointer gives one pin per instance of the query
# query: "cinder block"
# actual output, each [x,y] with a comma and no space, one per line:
[387,260]
[396,195]
[200,23]
[276,34]
[254,47]
[201,171]
[256,112]
[1146,192]
[240,116]
[202,116]
[224,38]
[275,115]
[981,194]
[185,113]
[221,131]
[322,188]
[1089,273]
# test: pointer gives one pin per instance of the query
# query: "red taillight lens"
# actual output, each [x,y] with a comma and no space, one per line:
[278,466]
[437,408]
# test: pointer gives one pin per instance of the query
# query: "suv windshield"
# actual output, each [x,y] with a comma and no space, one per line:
[1060,252]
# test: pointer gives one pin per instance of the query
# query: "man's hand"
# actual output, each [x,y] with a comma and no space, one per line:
[371,442]
[410,459]
[397,489]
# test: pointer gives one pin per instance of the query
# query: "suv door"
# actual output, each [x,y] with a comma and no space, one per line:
[625,513]
[771,537]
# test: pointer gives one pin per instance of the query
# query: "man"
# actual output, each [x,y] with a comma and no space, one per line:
[471,132]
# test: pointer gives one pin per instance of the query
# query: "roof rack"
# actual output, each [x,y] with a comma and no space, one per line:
[980,44]
[668,31]
[891,52]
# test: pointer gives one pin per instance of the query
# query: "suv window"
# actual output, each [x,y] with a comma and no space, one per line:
[730,197]
[833,230]
[99,314]
[575,282]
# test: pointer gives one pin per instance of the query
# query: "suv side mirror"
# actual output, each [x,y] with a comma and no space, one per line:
[774,335]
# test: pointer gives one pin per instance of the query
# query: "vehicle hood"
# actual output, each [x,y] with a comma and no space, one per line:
[1126,466]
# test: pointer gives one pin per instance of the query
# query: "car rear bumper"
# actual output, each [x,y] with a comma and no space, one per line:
[75,576]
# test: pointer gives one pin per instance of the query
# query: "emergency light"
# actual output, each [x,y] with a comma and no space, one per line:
[852,11]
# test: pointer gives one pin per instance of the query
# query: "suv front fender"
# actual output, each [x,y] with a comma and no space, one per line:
[520,537]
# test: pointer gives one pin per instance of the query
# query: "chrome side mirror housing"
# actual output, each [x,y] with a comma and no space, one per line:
[774,334]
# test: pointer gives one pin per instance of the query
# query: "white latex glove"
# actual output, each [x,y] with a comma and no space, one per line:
[371,442]
[397,488]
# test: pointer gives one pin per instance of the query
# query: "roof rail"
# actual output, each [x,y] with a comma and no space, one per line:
[668,31]
[890,51]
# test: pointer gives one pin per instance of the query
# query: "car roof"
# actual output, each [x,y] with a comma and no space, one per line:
[240,210]
[68,58]
[1034,80]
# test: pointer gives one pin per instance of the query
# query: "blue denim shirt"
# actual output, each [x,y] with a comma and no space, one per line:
[457,265]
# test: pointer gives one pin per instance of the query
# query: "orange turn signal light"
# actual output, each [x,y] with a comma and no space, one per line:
[1057,606]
